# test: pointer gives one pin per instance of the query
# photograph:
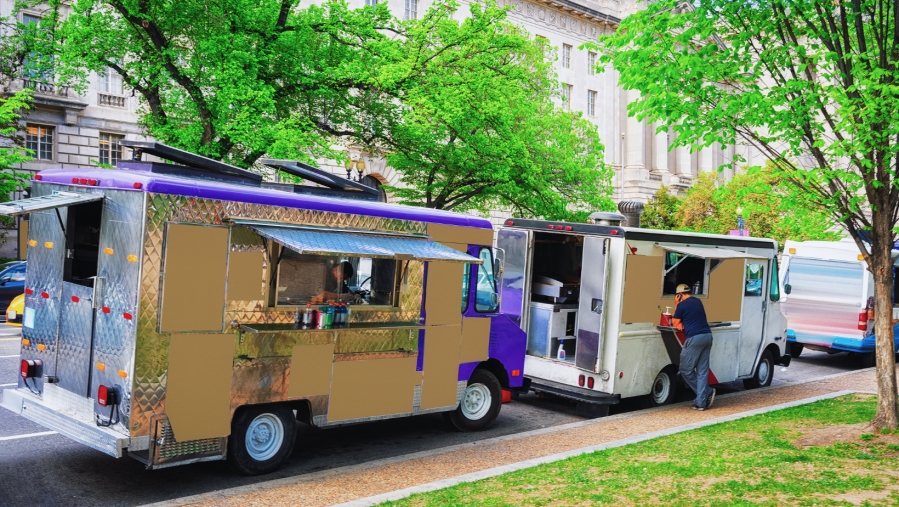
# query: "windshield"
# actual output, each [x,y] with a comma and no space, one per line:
[835,281]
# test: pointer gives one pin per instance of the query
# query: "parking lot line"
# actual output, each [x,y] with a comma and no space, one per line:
[14,437]
[8,339]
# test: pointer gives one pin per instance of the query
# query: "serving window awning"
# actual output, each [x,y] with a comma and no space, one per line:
[712,253]
[315,242]
[45,202]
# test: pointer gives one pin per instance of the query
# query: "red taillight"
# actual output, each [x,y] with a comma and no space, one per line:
[105,309]
[29,291]
[75,181]
[45,295]
[580,381]
[590,382]
[567,227]
[863,321]
[82,181]
[614,232]
[550,226]
[509,222]
[31,368]
[620,374]
[138,185]
[93,183]
[75,299]
[38,177]
[127,315]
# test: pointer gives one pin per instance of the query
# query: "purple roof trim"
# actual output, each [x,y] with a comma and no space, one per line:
[166,184]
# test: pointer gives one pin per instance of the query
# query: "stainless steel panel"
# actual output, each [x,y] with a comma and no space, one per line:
[376,340]
[262,380]
[592,304]
[121,234]
[73,358]
[165,451]
[279,344]
[84,432]
[515,245]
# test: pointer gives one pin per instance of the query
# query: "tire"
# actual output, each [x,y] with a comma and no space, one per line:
[795,349]
[591,410]
[764,372]
[867,360]
[262,439]
[664,388]
[515,395]
[480,403]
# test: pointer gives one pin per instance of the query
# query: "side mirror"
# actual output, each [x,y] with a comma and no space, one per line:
[787,289]
[4,280]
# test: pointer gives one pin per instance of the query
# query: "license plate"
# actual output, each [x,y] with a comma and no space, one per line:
[11,315]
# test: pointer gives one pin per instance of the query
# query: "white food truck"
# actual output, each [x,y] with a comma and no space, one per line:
[589,297]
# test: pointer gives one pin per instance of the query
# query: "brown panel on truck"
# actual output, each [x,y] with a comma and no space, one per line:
[441,366]
[455,234]
[462,247]
[23,239]
[443,294]
[310,370]
[193,293]
[643,289]
[372,388]
[245,279]
[725,292]
[475,339]
[198,388]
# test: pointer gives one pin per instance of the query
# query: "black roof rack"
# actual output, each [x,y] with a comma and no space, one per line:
[188,159]
[316,175]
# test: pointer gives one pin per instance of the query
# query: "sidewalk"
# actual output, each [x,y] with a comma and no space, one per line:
[376,478]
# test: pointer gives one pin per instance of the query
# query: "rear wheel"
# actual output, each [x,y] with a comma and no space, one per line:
[868,359]
[480,403]
[262,438]
[796,349]
[764,372]
[591,410]
[664,388]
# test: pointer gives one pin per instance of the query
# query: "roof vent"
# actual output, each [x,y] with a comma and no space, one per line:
[632,211]
[606,218]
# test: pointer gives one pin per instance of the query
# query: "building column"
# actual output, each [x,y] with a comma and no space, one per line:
[707,160]
[660,156]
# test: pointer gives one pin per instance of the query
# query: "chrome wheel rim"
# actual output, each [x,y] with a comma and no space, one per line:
[764,371]
[264,438]
[476,402]
[661,388]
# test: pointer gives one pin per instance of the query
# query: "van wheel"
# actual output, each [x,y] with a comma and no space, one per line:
[796,349]
[262,439]
[664,388]
[480,403]
[868,359]
[764,372]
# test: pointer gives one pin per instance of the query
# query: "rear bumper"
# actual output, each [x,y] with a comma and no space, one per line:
[55,417]
[573,392]
[837,343]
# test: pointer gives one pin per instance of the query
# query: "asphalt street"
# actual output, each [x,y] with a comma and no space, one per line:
[37,469]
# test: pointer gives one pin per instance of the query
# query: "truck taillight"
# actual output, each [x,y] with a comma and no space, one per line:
[107,395]
[590,382]
[580,381]
[31,368]
[863,321]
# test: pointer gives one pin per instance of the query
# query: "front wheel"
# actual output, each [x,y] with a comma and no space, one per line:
[764,372]
[262,438]
[664,388]
[480,403]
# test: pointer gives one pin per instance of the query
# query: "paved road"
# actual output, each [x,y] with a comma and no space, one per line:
[50,470]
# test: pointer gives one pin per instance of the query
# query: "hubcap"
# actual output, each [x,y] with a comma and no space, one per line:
[264,437]
[476,402]
[660,388]
[763,371]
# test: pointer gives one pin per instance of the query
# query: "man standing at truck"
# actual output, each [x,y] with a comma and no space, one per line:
[689,317]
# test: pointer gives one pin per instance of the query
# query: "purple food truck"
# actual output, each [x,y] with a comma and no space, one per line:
[188,311]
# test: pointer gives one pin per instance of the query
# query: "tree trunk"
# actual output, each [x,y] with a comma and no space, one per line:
[885,355]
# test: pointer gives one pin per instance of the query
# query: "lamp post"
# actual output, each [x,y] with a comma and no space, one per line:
[740,222]
[350,164]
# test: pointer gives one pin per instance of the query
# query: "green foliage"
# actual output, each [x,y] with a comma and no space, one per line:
[462,109]
[11,109]
[661,213]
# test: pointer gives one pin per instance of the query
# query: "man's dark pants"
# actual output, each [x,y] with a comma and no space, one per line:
[694,366]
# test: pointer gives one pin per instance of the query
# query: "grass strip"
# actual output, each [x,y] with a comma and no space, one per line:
[815,454]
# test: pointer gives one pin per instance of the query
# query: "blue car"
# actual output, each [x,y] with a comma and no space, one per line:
[12,282]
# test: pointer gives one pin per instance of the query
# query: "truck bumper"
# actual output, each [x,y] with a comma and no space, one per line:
[573,392]
[50,412]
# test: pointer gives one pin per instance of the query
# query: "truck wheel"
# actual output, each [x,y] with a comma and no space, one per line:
[591,410]
[664,388]
[764,372]
[796,349]
[868,359]
[480,403]
[262,439]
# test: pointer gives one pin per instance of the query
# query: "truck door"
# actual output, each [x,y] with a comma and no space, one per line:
[591,305]
[752,323]
[515,275]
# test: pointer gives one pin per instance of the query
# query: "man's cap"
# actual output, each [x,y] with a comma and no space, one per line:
[682,288]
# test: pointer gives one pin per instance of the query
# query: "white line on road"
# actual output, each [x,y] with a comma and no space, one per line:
[6,357]
[8,385]
[41,434]
[7,339]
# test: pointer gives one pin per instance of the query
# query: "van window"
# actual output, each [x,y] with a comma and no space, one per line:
[486,300]
[466,283]
[775,283]
[317,279]
[755,279]
[835,281]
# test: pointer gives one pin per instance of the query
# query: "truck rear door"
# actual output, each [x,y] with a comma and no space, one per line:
[591,306]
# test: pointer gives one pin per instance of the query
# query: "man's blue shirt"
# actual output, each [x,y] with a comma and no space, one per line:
[692,314]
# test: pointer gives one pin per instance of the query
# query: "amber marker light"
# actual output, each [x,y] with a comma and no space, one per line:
[32,243]
[26,342]
[107,251]
[792,250]
[123,374]
[41,347]
[48,244]
[132,258]
[861,257]
[101,366]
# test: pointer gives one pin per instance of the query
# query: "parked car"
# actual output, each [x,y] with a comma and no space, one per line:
[12,282]
[15,310]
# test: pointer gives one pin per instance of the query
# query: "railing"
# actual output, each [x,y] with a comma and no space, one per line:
[44,88]
[104,99]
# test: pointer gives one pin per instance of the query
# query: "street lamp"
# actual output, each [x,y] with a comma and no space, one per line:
[740,222]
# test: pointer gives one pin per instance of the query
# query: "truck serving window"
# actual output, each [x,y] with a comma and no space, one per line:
[303,278]
[693,271]
[486,300]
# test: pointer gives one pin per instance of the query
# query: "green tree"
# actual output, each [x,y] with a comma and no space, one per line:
[661,213]
[12,149]
[811,84]
[462,108]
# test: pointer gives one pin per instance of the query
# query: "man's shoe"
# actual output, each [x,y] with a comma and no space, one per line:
[694,406]
[711,400]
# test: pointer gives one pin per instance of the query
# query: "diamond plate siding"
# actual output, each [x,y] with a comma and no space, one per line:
[75,327]
[251,345]
[376,340]
[114,334]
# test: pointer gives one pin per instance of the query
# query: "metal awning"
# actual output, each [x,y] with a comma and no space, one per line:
[45,202]
[315,242]
[712,253]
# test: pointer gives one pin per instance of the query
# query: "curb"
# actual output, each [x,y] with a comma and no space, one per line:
[290,481]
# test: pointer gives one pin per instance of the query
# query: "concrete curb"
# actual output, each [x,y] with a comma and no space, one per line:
[289,481]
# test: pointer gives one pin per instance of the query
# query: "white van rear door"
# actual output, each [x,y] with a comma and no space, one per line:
[592,303]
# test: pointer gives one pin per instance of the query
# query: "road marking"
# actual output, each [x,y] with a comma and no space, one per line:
[7,357]
[8,385]
[41,434]
[8,339]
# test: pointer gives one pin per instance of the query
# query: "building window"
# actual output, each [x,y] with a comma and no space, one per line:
[109,81]
[591,63]
[566,97]
[39,139]
[31,64]
[110,148]
[371,3]
[566,56]
[411,9]
[591,103]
